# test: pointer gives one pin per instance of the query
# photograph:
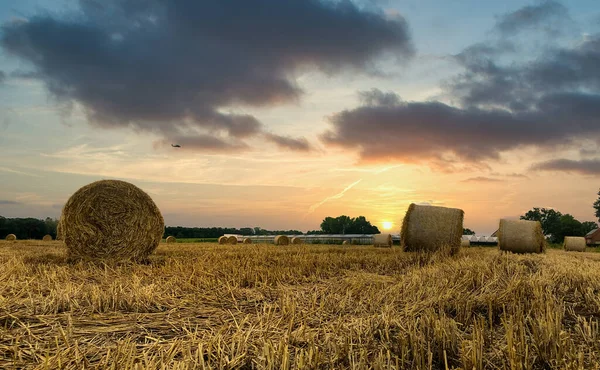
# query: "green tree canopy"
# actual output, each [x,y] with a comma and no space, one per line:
[468,231]
[556,226]
[348,225]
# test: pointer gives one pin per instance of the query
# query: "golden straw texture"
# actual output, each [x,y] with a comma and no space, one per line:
[47,238]
[521,236]
[297,240]
[574,243]
[223,239]
[111,219]
[232,240]
[282,240]
[11,237]
[59,230]
[430,228]
[465,243]
[247,241]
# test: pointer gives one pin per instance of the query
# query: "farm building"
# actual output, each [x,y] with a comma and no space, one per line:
[593,237]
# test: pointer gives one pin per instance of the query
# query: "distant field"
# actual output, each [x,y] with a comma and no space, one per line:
[210,306]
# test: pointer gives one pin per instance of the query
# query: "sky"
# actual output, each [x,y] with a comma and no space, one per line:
[289,111]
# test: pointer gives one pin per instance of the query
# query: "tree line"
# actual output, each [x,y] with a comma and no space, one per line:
[556,225]
[28,228]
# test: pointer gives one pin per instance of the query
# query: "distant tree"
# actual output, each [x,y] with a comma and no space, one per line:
[569,226]
[468,232]
[346,225]
[597,206]
[548,218]
[361,225]
[588,226]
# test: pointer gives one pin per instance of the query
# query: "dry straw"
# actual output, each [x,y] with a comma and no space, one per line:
[520,236]
[382,240]
[296,240]
[247,241]
[111,219]
[11,237]
[465,243]
[232,240]
[282,240]
[171,239]
[223,239]
[59,232]
[574,243]
[430,228]
[47,238]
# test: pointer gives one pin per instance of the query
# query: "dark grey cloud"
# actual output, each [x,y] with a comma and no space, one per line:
[8,202]
[286,142]
[2,76]
[499,104]
[172,67]
[482,179]
[548,15]
[583,167]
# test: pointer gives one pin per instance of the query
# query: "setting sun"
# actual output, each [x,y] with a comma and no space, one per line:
[387,225]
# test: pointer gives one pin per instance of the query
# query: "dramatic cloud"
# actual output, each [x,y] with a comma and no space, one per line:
[172,67]
[285,142]
[500,104]
[547,15]
[584,167]
[8,202]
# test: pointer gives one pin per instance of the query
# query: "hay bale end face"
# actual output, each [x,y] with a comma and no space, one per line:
[232,240]
[465,243]
[282,240]
[431,228]
[382,240]
[47,238]
[171,239]
[520,236]
[113,220]
[247,241]
[297,240]
[11,237]
[574,243]
[223,239]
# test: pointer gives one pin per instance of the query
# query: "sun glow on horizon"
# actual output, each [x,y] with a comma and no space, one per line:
[387,225]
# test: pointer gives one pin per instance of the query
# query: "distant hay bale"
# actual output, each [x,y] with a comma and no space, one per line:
[465,243]
[382,240]
[345,242]
[111,219]
[11,237]
[574,243]
[247,241]
[171,239]
[223,239]
[431,228]
[297,240]
[520,236]
[232,240]
[282,240]
[47,238]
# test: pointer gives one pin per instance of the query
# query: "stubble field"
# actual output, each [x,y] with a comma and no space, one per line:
[260,306]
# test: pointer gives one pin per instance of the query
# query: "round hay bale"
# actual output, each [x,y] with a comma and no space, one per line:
[247,241]
[47,238]
[223,239]
[111,219]
[345,242]
[520,236]
[282,240]
[466,243]
[232,240]
[59,232]
[382,240]
[574,243]
[11,237]
[430,229]
[171,239]
[297,240]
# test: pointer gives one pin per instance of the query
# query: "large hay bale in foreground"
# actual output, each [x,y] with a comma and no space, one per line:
[382,240]
[297,240]
[171,239]
[282,240]
[59,232]
[222,239]
[247,241]
[574,243]
[232,240]
[111,219]
[47,238]
[431,228]
[11,237]
[465,243]
[521,236]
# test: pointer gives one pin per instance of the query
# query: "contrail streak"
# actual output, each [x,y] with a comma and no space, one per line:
[337,196]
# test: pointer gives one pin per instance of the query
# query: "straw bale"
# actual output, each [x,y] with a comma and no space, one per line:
[111,219]
[171,239]
[465,243]
[223,239]
[247,241]
[59,232]
[345,242]
[574,243]
[382,240]
[431,228]
[521,236]
[47,238]
[232,240]
[297,240]
[282,240]
[11,237]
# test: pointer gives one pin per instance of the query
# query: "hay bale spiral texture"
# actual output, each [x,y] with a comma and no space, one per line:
[111,219]
[574,243]
[171,239]
[59,232]
[345,242]
[297,240]
[282,240]
[382,240]
[222,239]
[232,240]
[47,238]
[432,228]
[11,237]
[521,236]
[247,241]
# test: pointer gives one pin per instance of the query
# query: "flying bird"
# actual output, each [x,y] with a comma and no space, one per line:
[176,145]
